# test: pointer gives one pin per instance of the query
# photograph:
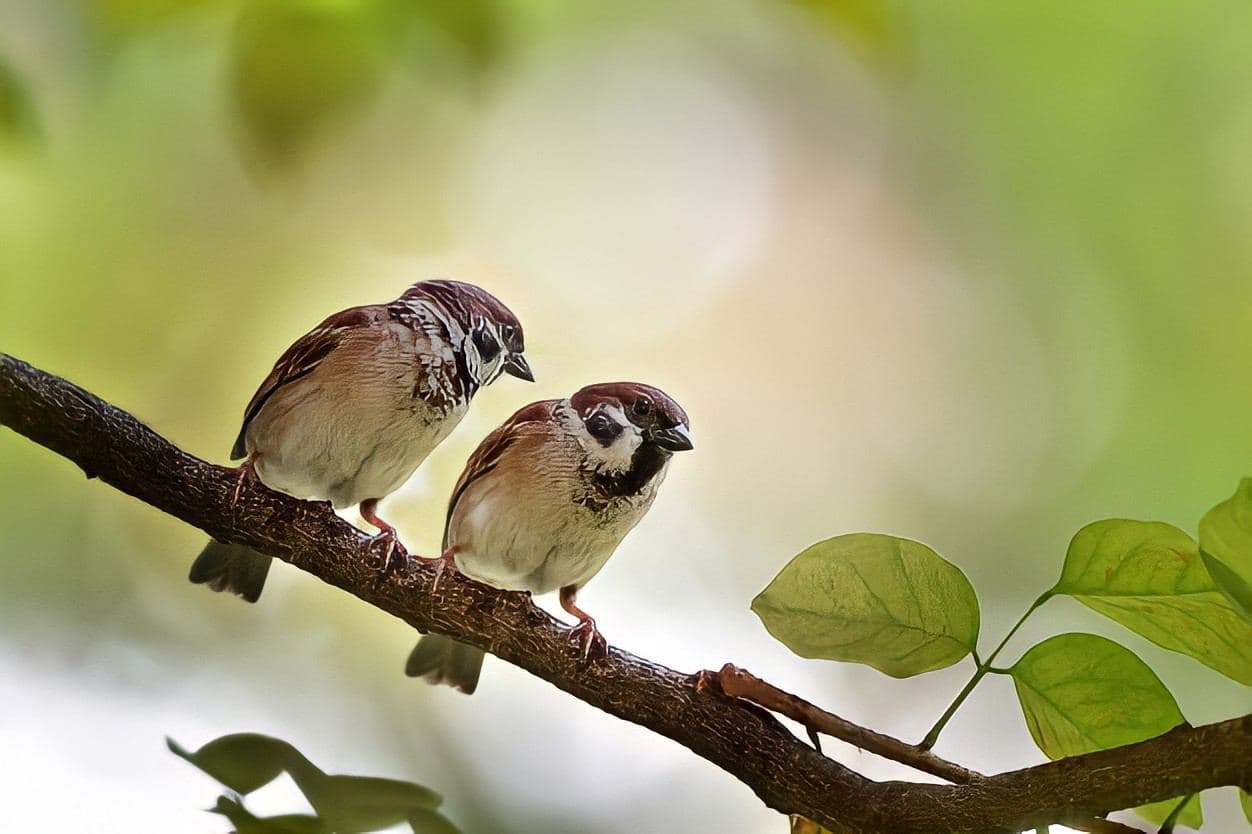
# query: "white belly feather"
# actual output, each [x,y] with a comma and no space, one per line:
[346,435]
[524,542]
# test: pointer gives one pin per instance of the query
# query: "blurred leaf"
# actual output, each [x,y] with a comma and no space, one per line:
[472,25]
[244,762]
[1080,693]
[246,823]
[1245,799]
[891,603]
[1150,577]
[1226,542]
[301,65]
[1192,814]
[867,24]
[425,821]
[128,17]
[364,803]
[18,123]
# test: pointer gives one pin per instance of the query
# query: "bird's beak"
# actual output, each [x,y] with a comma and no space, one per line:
[516,366]
[676,439]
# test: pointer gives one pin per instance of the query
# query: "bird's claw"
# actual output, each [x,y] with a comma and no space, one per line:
[246,474]
[444,563]
[589,640]
[394,554]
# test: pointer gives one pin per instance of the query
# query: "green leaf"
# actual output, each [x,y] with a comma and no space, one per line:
[298,66]
[365,803]
[1236,589]
[474,27]
[1150,577]
[246,823]
[244,762]
[426,821]
[1245,799]
[344,804]
[1080,693]
[891,603]
[867,24]
[1226,542]
[18,124]
[1155,812]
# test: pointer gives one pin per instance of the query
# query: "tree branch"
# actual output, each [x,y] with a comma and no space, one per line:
[740,683]
[787,774]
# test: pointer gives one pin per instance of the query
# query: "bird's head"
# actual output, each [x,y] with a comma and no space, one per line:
[617,420]
[494,343]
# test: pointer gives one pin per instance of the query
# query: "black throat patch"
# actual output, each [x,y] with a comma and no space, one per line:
[644,466]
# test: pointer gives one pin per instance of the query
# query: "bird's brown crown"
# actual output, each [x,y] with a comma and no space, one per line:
[463,301]
[633,397]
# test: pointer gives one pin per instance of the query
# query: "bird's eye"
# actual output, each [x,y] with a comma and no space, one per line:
[488,347]
[642,407]
[603,428]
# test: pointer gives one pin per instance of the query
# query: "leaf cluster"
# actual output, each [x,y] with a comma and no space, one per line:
[245,762]
[898,606]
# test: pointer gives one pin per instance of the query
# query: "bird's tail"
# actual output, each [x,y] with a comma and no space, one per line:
[441,659]
[231,567]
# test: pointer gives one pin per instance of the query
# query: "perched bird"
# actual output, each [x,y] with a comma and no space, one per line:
[355,405]
[546,499]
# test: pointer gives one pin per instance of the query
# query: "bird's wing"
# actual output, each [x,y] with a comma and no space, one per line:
[302,358]
[488,454]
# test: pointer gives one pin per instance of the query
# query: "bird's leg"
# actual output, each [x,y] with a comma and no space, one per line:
[247,474]
[585,632]
[385,532]
[446,562]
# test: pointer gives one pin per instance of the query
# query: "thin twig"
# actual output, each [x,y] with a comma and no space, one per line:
[740,683]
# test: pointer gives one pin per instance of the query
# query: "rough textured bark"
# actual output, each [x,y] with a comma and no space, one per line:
[742,739]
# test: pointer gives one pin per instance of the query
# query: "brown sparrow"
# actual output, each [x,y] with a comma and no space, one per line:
[355,405]
[546,499]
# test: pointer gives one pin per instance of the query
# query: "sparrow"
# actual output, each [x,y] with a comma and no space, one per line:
[546,499]
[355,405]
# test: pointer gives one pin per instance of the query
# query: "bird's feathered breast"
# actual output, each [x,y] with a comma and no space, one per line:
[443,381]
[534,421]
[535,450]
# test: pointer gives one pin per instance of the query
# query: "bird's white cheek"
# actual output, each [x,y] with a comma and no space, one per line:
[492,371]
[617,456]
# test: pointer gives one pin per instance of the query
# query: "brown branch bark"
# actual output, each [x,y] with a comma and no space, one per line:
[784,772]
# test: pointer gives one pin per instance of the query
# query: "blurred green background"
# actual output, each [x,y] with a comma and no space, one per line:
[974,273]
